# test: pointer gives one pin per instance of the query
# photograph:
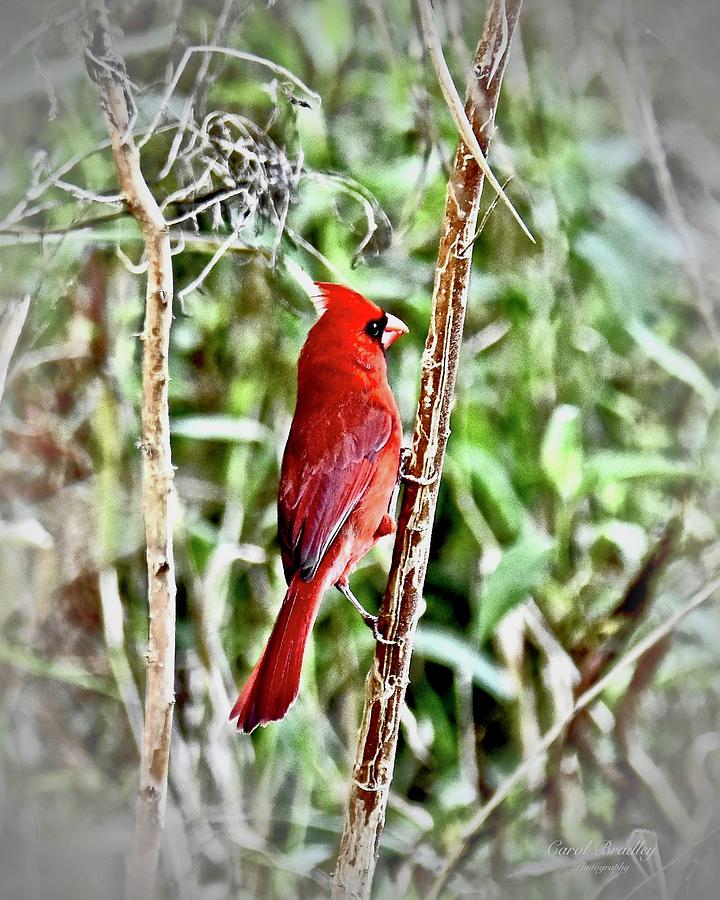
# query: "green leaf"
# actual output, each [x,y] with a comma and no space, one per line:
[561,453]
[609,465]
[635,223]
[674,362]
[218,428]
[630,538]
[446,648]
[66,672]
[627,277]
[523,567]
[494,484]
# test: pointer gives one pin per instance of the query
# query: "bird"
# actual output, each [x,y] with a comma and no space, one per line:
[337,482]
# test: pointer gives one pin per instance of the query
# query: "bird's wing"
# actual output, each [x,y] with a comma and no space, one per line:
[328,464]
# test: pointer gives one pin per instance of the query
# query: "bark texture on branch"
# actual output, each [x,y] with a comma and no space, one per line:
[388,678]
[387,681]
[108,71]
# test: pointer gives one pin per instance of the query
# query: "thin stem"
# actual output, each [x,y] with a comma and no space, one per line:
[108,71]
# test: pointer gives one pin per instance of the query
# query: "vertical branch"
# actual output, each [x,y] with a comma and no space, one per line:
[108,71]
[387,681]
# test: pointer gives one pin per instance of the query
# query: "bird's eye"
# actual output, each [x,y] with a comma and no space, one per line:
[375,328]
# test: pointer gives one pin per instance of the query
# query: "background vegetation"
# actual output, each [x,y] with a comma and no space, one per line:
[578,507]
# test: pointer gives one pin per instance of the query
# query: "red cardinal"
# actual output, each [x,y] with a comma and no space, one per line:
[338,474]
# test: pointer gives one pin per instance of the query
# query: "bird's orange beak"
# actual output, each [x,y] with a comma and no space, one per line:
[394,329]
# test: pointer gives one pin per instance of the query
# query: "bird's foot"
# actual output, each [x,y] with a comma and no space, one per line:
[388,642]
[422,480]
[368,618]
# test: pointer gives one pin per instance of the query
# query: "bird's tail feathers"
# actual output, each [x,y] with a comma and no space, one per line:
[274,683]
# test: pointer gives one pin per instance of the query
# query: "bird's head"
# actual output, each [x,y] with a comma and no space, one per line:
[346,316]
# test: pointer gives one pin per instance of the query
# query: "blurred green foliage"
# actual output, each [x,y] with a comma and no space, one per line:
[585,421]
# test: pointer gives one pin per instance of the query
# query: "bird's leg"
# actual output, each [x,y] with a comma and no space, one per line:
[392,505]
[404,475]
[368,618]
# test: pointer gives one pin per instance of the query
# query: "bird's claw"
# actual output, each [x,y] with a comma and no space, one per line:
[423,481]
[372,622]
[388,642]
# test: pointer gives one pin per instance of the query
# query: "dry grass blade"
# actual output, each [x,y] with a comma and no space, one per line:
[112,615]
[208,267]
[11,327]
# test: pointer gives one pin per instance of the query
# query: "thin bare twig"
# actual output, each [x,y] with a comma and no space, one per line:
[20,211]
[207,204]
[372,211]
[190,103]
[310,97]
[201,243]
[400,608]
[208,267]
[25,234]
[488,212]
[83,195]
[139,268]
[300,241]
[155,446]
